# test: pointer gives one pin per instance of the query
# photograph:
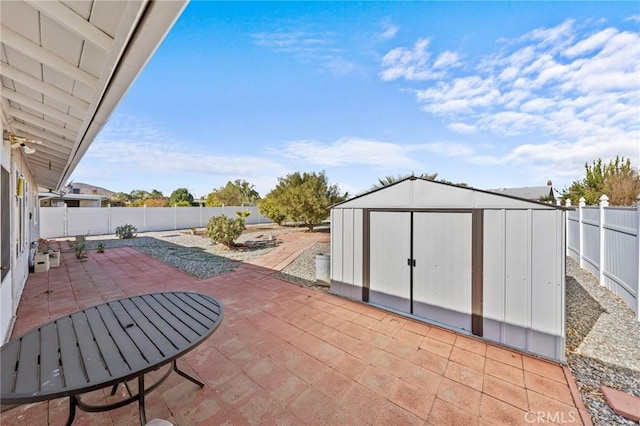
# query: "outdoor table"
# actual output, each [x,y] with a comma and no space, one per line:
[106,345]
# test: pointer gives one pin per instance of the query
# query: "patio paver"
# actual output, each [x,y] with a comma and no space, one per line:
[290,355]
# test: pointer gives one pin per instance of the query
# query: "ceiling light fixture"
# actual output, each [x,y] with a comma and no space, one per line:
[21,142]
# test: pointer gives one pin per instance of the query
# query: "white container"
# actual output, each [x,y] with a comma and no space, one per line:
[54,259]
[323,268]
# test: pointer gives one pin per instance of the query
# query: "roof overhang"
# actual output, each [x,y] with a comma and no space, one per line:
[66,66]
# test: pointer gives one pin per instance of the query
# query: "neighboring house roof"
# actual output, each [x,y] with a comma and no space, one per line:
[85,188]
[65,67]
[529,192]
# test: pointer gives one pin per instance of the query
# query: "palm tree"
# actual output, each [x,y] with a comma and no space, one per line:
[390,180]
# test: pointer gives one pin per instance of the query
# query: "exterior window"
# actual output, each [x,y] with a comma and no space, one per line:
[5,239]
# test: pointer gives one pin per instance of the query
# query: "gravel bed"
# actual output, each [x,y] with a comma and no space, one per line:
[302,271]
[603,344]
[195,254]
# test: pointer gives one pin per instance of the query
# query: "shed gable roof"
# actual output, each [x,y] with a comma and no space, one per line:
[418,193]
[527,192]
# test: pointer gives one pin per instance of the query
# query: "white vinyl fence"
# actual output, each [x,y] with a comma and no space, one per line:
[606,242]
[65,222]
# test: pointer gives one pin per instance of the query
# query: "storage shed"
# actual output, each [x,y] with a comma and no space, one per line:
[486,264]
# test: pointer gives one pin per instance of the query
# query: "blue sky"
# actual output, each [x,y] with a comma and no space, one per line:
[495,94]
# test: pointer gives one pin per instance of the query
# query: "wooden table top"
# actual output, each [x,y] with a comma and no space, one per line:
[104,345]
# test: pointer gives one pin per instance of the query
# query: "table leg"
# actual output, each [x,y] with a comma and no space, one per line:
[72,409]
[186,376]
[143,414]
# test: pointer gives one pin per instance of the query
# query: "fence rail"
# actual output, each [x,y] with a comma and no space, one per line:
[64,221]
[606,242]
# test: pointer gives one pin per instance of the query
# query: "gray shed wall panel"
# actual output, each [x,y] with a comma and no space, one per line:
[357,247]
[494,279]
[347,246]
[390,239]
[545,285]
[442,275]
[337,258]
[517,268]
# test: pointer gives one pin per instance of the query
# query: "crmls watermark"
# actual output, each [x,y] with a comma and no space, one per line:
[559,417]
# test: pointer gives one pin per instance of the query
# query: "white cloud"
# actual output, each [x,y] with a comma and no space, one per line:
[596,41]
[446,59]
[635,18]
[350,151]
[567,95]
[461,96]
[462,128]
[413,64]
[389,31]
[553,38]
[131,142]
[317,48]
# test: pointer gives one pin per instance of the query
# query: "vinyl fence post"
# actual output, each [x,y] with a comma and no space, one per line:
[604,202]
[144,217]
[638,245]
[200,212]
[581,204]
[175,212]
[567,236]
[109,219]
[65,220]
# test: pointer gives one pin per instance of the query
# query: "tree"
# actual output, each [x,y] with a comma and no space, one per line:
[181,197]
[155,194]
[617,179]
[302,198]
[236,193]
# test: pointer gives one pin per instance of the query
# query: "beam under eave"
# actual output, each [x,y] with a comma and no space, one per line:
[40,54]
[42,151]
[43,136]
[39,122]
[45,88]
[42,108]
[74,23]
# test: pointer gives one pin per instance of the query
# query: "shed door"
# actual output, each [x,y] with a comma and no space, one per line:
[390,248]
[442,271]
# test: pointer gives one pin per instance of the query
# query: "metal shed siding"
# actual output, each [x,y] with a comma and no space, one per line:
[442,275]
[523,257]
[524,280]
[336,244]
[346,252]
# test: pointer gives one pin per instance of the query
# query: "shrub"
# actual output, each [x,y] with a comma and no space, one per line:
[79,248]
[126,231]
[224,230]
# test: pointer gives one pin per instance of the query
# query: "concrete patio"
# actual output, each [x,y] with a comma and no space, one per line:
[291,355]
